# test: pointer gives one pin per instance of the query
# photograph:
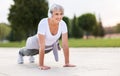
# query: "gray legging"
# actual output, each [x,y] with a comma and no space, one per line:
[30,52]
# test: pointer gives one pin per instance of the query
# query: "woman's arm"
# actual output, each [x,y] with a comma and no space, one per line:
[66,50]
[41,39]
[65,47]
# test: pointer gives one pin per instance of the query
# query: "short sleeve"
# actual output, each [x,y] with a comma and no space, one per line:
[64,27]
[41,27]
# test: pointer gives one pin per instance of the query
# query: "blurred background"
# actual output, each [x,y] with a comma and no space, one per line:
[85,19]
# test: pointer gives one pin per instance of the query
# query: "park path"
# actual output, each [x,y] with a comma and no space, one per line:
[89,61]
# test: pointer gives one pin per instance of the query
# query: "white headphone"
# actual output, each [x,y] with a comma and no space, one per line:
[49,14]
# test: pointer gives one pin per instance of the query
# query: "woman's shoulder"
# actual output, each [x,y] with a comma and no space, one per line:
[62,22]
[43,20]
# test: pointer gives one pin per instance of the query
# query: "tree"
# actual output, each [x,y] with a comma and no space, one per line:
[24,17]
[77,32]
[117,28]
[98,30]
[67,21]
[4,31]
[87,22]
[101,29]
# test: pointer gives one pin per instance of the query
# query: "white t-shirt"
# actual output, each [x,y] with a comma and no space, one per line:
[43,28]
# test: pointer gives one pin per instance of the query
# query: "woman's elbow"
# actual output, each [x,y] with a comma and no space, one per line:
[41,49]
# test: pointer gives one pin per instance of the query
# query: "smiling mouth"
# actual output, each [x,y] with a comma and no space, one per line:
[58,19]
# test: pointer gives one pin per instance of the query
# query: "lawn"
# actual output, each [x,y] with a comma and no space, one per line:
[94,42]
[13,44]
[113,42]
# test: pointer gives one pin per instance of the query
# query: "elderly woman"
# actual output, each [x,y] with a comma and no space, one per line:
[49,31]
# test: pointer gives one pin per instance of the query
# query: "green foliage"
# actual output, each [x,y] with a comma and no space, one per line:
[77,32]
[98,31]
[67,21]
[118,28]
[24,17]
[87,22]
[4,31]
[101,30]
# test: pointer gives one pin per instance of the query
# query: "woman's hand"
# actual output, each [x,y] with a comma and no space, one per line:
[69,65]
[44,67]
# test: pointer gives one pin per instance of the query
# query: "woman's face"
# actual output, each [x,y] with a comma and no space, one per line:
[57,15]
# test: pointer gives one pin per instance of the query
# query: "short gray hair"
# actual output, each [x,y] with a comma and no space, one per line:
[56,7]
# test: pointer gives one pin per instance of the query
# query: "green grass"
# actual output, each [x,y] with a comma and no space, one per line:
[94,42]
[13,44]
[76,43]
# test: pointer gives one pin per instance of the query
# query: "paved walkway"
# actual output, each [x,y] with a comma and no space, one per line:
[89,61]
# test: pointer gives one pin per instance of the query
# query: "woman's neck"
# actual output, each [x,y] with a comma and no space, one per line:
[53,27]
[53,22]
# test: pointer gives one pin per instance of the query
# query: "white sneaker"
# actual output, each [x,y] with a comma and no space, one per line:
[31,59]
[20,59]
